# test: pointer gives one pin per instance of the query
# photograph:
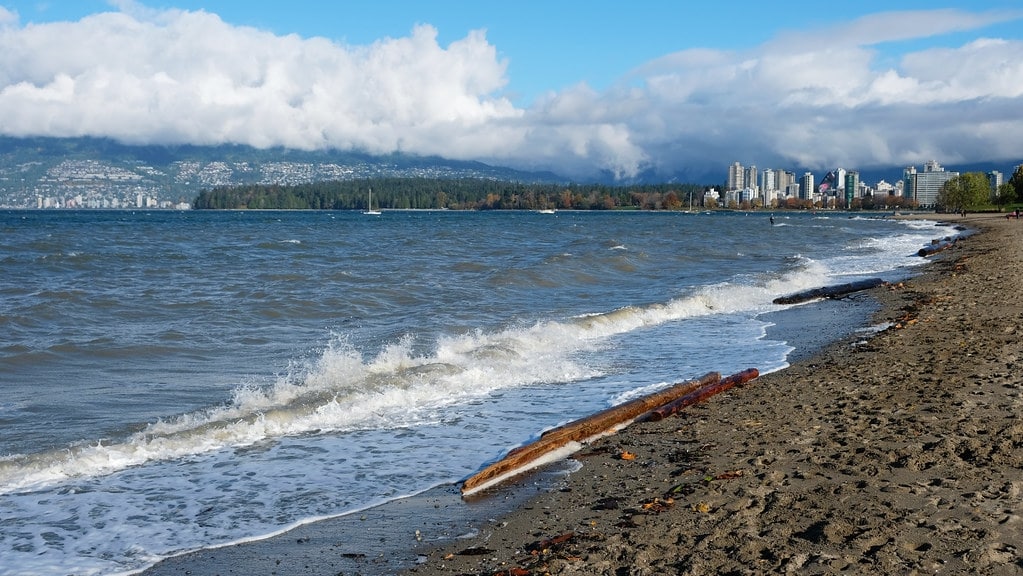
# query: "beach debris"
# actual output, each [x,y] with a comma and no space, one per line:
[908,322]
[476,551]
[657,505]
[626,455]
[835,291]
[595,451]
[729,475]
[701,394]
[609,503]
[580,431]
[701,507]
[909,318]
[544,546]
[689,458]
[515,571]
[683,489]
[936,246]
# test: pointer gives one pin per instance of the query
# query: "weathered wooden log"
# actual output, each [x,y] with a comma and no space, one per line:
[935,247]
[829,291]
[701,394]
[606,421]
[625,412]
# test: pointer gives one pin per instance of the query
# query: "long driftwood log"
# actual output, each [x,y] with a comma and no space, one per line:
[526,457]
[701,394]
[829,291]
[935,247]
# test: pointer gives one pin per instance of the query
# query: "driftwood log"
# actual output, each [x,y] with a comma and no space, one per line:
[607,421]
[701,394]
[623,413]
[829,291]
[935,247]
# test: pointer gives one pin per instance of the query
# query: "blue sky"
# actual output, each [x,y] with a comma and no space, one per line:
[578,87]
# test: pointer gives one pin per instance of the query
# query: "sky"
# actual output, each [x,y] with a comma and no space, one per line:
[584,88]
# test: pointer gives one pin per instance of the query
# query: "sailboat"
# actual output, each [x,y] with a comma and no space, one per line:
[369,206]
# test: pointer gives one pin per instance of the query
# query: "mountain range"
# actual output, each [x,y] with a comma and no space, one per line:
[103,173]
[99,173]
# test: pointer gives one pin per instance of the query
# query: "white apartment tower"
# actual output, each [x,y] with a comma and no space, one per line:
[806,186]
[925,186]
[736,177]
[839,180]
[768,182]
[751,178]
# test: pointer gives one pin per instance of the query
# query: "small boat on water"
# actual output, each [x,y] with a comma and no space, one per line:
[369,206]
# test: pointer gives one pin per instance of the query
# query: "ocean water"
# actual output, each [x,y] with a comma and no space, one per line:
[171,381]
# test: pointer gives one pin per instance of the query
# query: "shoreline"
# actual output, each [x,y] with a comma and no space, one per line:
[740,488]
[381,540]
[894,454]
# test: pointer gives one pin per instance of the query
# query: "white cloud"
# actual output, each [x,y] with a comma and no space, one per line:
[7,17]
[816,99]
[188,76]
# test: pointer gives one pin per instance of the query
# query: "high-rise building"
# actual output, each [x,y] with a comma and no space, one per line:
[767,181]
[925,186]
[995,179]
[751,178]
[852,185]
[839,181]
[736,177]
[908,178]
[786,182]
[806,187]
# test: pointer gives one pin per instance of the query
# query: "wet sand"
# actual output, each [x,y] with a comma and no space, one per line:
[894,452]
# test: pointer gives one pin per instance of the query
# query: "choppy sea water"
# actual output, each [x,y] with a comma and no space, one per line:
[176,380]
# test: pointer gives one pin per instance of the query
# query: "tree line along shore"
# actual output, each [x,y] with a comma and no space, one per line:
[454,194]
[969,191]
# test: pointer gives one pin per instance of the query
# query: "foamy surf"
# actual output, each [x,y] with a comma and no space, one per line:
[341,391]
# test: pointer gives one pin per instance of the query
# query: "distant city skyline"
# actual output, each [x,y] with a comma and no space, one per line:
[654,89]
[744,183]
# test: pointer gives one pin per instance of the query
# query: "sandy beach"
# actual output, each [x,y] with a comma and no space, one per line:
[895,451]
